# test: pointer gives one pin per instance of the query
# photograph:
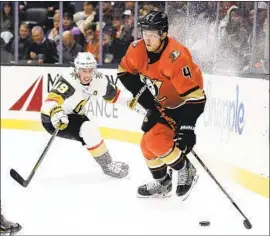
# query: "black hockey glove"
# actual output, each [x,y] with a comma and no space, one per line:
[185,138]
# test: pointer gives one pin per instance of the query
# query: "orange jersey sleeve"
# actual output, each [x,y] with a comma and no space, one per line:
[131,61]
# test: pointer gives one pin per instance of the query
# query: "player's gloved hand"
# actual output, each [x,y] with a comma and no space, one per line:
[59,118]
[185,138]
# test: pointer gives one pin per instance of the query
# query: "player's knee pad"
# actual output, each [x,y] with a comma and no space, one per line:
[90,134]
[146,153]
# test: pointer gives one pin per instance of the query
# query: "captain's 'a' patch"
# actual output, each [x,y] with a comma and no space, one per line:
[174,55]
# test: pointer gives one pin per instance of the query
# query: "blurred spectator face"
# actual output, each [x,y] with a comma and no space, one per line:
[90,34]
[126,19]
[251,15]
[56,20]
[130,20]
[262,15]
[88,8]
[67,22]
[37,36]
[235,17]
[129,5]
[109,33]
[7,9]
[116,22]
[68,39]
[24,32]
[151,39]
[106,5]
[107,37]
[148,7]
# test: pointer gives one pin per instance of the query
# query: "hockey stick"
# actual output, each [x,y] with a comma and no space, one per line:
[17,177]
[246,222]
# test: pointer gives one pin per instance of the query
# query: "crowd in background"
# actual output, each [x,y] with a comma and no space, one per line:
[219,40]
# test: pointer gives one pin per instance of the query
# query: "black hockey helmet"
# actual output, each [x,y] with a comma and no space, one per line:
[155,20]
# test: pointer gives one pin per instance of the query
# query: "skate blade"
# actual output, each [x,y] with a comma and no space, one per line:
[118,178]
[164,195]
[184,197]
[11,231]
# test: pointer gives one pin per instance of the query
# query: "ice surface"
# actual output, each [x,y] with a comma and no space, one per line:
[69,195]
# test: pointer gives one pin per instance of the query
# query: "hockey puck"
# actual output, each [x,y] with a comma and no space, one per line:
[204,223]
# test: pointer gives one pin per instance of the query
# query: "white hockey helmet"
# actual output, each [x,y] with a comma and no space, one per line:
[85,60]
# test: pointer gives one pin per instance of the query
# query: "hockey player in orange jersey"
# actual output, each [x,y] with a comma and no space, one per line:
[174,99]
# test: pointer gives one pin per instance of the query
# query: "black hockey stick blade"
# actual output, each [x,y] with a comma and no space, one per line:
[15,175]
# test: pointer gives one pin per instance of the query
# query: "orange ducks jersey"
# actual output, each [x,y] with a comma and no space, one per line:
[173,79]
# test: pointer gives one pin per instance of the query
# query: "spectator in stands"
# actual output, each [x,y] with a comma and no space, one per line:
[127,33]
[118,24]
[233,41]
[92,41]
[25,42]
[68,24]
[42,50]
[226,19]
[147,7]
[261,16]
[86,16]
[53,34]
[225,7]
[249,21]
[71,47]
[261,51]
[113,49]
[118,8]
[129,5]
[7,21]
[107,12]
[5,56]
[67,7]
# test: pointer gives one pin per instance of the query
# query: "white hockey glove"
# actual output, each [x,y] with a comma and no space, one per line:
[59,118]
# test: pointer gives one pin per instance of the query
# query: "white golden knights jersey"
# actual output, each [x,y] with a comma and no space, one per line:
[69,93]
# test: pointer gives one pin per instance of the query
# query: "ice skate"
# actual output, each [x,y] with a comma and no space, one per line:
[7,227]
[157,189]
[116,169]
[187,178]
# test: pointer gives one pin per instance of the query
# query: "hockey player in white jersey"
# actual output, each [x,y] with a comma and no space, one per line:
[65,109]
